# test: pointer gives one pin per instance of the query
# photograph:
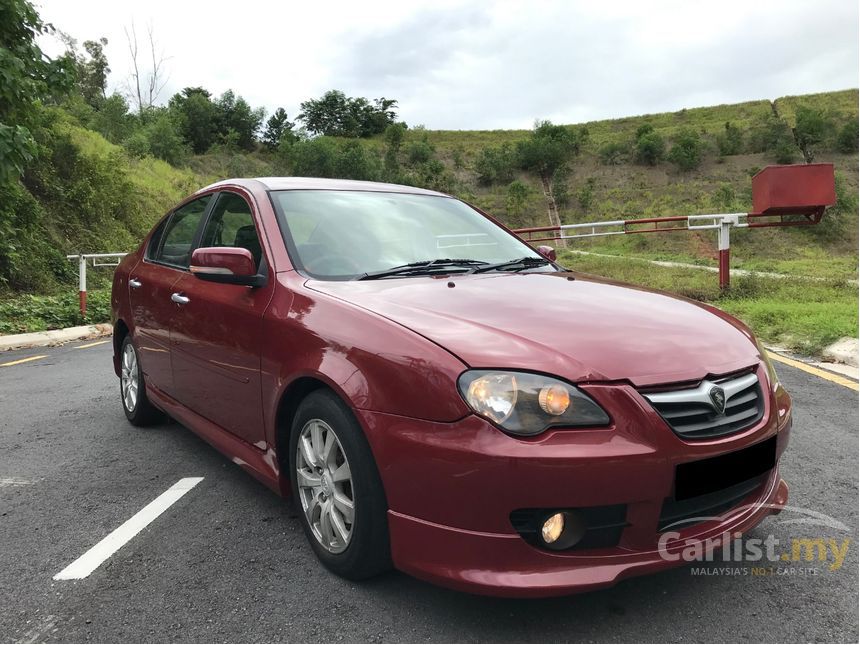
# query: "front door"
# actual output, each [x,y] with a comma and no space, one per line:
[150,287]
[216,333]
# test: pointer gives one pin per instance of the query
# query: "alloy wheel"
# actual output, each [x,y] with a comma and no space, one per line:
[129,378]
[325,485]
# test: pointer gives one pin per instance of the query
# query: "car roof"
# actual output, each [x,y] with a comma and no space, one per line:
[317,183]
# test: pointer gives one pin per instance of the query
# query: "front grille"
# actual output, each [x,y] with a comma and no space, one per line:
[680,514]
[694,413]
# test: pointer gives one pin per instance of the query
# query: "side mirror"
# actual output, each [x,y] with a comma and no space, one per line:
[547,251]
[226,264]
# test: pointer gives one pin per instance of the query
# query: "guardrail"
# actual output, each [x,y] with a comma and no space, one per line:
[97,260]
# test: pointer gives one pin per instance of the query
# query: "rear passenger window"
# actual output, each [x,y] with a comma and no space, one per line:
[178,235]
[231,224]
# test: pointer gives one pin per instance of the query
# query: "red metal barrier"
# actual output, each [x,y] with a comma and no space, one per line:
[780,195]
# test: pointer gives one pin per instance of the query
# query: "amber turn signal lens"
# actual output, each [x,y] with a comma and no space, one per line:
[554,399]
[552,528]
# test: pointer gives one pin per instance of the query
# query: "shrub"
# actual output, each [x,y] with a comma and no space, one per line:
[495,165]
[650,148]
[585,194]
[137,145]
[686,152]
[724,198]
[846,140]
[420,151]
[773,136]
[559,187]
[811,130]
[165,140]
[613,154]
[313,158]
[731,140]
[518,195]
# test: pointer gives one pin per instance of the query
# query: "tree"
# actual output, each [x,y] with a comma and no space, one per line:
[649,146]
[548,150]
[278,128]
[196,117]
[236,116]
[335,114]
[28,77]
[811,130]
[686,152]
[145,86]
[112,119]
[91,68]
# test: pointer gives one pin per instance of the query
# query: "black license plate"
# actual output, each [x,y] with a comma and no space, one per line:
[708,475]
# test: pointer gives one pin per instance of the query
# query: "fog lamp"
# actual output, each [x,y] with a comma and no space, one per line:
[552,528]
[554,399]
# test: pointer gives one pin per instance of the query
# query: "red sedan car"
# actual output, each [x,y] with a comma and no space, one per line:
[440,397]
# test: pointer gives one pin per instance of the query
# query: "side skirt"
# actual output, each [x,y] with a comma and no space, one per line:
[238,451]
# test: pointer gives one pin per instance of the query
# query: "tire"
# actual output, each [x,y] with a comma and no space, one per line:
[366,552]
[132,388]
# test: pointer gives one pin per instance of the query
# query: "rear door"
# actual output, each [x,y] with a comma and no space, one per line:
[216,335]
[151,287]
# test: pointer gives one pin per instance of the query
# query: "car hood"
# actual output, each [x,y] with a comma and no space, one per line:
[579,327]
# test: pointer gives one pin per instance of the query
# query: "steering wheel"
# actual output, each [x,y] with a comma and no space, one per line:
[333,264]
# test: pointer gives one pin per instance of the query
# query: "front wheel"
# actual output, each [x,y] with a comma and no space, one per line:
[337,488]
[138,410]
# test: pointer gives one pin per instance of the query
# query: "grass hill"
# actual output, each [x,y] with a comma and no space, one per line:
[86,194]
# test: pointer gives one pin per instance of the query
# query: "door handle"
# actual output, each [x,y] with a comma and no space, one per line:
[179,299]
[134,283]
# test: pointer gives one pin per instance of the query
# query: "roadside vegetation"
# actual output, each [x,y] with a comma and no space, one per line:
[86,170]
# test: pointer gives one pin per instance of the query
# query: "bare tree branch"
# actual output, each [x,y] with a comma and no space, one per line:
[145,87]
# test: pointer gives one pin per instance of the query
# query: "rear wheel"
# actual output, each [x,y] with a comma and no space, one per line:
[337,488]
[138,410]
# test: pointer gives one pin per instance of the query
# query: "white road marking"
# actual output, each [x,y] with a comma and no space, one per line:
[92,559]
[16,481]
[39,631]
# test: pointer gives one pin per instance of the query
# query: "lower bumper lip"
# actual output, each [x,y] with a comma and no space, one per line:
[504,565]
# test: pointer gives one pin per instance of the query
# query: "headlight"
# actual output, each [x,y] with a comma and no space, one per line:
[527,404]
[771,372]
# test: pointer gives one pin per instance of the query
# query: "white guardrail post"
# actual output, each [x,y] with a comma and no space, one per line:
[82,259]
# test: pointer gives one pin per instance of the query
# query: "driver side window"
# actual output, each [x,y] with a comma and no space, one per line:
[231,224]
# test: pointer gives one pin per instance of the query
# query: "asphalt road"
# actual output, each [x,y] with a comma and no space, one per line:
[229,562]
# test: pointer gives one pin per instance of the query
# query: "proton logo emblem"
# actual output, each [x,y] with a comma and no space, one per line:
[718,398]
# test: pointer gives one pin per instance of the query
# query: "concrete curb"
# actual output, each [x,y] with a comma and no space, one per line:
[843,350]
[54,337]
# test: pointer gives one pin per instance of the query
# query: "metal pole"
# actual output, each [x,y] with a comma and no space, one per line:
[724,245]
[82,283]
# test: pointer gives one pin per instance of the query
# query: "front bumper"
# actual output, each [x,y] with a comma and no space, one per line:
[451,488]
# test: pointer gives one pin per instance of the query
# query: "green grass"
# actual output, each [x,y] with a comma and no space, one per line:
[26,313]
[802,316]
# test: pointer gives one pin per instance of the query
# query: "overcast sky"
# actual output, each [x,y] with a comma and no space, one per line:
[485,65]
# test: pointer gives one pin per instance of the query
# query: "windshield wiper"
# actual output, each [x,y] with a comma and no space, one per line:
[517,265]
[423,267]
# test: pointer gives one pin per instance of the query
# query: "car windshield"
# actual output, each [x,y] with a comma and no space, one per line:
[339,235]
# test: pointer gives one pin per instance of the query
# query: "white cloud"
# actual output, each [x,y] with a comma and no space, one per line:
[487,65]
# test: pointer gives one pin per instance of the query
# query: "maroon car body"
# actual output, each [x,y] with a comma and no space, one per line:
[233,363]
